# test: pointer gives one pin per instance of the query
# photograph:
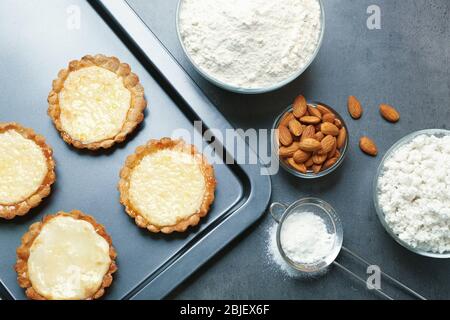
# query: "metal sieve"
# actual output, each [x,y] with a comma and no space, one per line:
[280,212]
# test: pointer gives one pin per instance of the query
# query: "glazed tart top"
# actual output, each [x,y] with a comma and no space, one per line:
[68,259]
[94,104]
[167,186]
[23,167]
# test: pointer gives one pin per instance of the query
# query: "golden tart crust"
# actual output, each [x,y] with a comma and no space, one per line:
[153,147]
[23,254]
[130,81]
[11,210]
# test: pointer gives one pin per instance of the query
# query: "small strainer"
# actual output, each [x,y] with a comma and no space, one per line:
[280,212]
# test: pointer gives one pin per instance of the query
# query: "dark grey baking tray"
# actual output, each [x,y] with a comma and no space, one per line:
[36,40]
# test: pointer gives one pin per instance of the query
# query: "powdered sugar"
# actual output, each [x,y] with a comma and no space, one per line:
[304,239]
[250,43]
[414,193]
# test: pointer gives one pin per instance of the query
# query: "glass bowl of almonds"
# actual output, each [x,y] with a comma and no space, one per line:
[310,139]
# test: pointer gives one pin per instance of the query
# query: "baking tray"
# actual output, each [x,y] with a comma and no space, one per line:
[40,38]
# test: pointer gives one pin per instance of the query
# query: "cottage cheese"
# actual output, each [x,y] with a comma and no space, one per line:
[414,193]
[250,43]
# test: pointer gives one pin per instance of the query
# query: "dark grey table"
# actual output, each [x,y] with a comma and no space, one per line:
[406,64]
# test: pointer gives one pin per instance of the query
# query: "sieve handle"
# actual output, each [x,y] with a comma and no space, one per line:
[277,209]
[364,261]
[337,264]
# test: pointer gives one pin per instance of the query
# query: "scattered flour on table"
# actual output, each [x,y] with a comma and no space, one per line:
[250,43]
[414,193]
[275,256]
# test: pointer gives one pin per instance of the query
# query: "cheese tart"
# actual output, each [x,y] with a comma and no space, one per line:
[167,186]
[67,256]
[96,102]
[27,170]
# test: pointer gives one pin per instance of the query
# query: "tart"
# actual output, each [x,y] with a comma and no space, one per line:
[167,186]
[67,256]
[96,102]
[27,170]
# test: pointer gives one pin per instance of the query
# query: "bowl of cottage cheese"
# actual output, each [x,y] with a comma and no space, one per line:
[250,46]
[412,192]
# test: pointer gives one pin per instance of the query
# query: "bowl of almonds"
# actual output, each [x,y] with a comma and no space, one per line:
[310,138]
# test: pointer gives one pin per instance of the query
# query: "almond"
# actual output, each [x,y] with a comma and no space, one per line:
[285,152]
[328,117]
[342,137]
[285,136]
[299,108]
[297,166]
[310,145]
[310,120]
[309,163]
[308,132]
[301,156]
[368,146]
[319,136]
[328,128]
[332,153]
[328,143]
[312,136]
[323,110]
[354,107]
[286,119]
[389,113]
[319,158]
[316,168]
[314,112]
[295,127]
[329,163]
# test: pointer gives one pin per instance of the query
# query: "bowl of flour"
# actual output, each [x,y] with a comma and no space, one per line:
[250,46]
[412,192]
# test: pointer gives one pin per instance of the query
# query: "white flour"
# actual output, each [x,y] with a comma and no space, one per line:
[414,193]
[250,43]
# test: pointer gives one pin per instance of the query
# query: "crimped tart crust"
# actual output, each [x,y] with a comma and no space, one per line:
[11,210]
[23,254]
[134,115]
[152,148]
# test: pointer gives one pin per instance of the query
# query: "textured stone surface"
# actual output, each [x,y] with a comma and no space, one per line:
[405,64]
